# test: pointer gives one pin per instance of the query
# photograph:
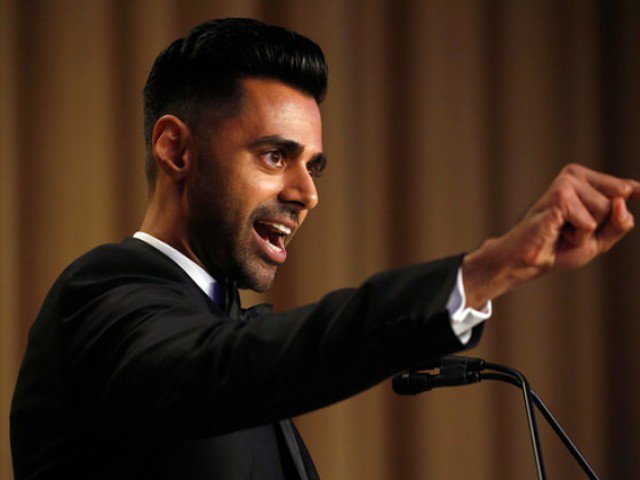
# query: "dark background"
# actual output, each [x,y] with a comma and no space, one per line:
[444,121]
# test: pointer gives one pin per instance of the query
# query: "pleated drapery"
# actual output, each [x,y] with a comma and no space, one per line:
[444,121]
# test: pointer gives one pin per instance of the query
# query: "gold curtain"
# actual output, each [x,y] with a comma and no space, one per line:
[444,121]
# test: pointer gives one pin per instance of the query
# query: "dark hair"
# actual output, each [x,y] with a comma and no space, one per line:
[205,70]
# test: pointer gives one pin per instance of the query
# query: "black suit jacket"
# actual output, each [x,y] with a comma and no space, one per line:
[132,372]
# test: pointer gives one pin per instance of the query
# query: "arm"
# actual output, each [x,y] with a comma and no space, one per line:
[582,215]
[143,354]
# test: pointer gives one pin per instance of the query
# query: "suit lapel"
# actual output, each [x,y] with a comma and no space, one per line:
[292,439]
[288,431]
[299,455]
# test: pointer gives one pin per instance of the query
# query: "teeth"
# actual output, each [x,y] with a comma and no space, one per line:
[279,228]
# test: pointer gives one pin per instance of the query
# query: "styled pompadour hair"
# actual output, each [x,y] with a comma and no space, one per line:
[204,70]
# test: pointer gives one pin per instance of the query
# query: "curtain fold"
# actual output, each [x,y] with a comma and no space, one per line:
[444,121]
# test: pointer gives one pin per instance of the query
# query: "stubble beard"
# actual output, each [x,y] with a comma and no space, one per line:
[248,268]
[228,251]
[223,240]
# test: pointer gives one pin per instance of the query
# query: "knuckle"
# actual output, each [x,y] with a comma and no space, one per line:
[572,169]
[562,192]
[625,188]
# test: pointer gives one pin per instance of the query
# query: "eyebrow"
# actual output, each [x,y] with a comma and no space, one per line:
[290,147]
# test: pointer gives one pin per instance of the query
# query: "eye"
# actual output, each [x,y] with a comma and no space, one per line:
[274,158]
[316,167]
[314,171]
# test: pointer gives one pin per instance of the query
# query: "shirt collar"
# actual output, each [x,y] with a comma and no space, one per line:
[199,275]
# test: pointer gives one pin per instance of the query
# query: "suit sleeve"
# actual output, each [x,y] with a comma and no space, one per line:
[140,355]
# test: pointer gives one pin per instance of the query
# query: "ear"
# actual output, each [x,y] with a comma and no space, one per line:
[172,147]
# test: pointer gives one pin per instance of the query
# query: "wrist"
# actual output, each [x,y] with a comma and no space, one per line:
[492,270]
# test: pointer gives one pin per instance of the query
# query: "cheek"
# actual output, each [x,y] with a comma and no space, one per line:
[245,185]
[258,188]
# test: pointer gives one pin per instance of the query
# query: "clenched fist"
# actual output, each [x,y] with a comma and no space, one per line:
[581,215]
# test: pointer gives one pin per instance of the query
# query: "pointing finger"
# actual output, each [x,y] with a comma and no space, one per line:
[607,184]
[635,185]
[612,186]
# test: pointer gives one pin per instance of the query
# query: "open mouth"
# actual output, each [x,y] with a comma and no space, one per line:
[272,236]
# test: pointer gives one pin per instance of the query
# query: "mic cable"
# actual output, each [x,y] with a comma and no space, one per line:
[460,370]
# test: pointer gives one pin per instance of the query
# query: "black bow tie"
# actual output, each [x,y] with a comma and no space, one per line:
[232,300]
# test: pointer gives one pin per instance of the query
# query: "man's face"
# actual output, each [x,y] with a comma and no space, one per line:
[253,183]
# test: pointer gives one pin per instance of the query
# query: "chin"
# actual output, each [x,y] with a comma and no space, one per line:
[259,279]
[257,285]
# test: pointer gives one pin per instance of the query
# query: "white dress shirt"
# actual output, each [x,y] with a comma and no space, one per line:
[463,318]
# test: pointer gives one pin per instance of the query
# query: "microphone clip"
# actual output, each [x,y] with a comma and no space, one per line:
[453,371]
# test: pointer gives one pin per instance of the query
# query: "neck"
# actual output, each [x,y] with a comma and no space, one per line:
[164,219]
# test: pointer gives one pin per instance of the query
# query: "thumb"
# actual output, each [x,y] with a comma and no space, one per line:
[542,236]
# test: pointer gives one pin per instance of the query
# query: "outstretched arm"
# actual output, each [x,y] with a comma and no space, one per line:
[581,215]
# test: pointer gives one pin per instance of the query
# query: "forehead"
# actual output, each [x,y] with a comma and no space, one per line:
[271,108]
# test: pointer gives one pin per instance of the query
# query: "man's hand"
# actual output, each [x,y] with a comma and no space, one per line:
[580,216]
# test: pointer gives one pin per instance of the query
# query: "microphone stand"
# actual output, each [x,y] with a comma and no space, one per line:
[456,370]
[546,413]
[531,418]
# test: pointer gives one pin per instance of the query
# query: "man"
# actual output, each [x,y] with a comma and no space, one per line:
[141,363]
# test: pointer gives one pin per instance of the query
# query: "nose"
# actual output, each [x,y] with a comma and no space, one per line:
[299,187]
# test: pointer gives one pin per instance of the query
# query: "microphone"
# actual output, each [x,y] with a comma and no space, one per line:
[412,383]
[458,370]
[454,371]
